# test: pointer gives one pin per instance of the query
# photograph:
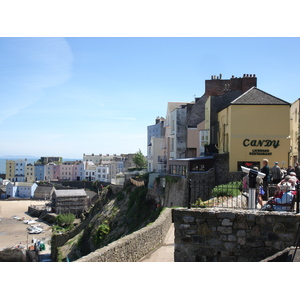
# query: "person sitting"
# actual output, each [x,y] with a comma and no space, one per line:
[288,179]
[284,203]
[294,177]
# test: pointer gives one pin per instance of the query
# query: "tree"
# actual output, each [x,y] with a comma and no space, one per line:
[140,160]
[65,220]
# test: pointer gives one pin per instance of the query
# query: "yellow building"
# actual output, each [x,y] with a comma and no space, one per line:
[294,124]
[10,169]
[254,126]
[29,173]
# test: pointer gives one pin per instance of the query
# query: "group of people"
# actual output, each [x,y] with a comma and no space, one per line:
[285,181]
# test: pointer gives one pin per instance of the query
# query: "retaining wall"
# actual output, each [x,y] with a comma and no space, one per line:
[133,247]
[212,234]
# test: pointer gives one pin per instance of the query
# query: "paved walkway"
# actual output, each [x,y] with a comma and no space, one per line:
[164,253]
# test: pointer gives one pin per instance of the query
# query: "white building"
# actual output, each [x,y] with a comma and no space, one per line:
[89,171]
[20,189]
[78,171]
[156,155]
[102,173]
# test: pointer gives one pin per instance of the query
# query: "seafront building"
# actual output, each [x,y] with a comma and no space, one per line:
[93,167]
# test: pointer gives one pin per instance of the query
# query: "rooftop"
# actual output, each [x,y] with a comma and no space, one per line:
[255,96]
[70,193]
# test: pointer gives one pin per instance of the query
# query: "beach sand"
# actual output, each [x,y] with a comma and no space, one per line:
[14,232]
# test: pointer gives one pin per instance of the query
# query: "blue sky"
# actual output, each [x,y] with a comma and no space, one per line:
[69,96]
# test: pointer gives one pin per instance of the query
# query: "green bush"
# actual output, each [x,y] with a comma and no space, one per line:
[65,220]
[101,232]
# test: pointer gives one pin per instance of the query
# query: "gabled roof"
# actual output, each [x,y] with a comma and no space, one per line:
[255,96]
[43,191]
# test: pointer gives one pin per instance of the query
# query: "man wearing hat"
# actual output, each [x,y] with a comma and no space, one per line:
[276,173]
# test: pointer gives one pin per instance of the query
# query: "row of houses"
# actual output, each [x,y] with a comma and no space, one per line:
[93,167]
[232,116]
[59,201]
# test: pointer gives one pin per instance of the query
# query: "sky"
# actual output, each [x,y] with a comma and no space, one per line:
[68,96]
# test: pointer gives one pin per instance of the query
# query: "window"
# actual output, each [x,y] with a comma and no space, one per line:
[172,144]
[203,140]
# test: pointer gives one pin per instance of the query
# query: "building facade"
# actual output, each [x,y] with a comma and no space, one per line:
[73,201]
[29,173]
[255,126]
[20,189]
[156,160]
[294,136]
[39,171]
[156,155]
[10,170]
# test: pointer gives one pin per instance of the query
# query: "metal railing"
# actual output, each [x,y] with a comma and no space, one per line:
[230,195]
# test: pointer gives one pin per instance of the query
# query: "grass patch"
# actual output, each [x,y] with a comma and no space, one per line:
[232,189]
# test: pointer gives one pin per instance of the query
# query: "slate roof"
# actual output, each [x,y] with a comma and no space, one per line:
[70,193]
[43,191]
[255,96]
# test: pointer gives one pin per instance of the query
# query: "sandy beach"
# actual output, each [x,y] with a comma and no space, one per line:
[14,232]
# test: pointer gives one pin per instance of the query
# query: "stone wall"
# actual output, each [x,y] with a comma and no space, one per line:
[212,234]
[222,174]
[13,255]
[133,247]
[42,214]
[176,191]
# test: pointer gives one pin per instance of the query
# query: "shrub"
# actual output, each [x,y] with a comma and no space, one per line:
[101,232]
[65,220]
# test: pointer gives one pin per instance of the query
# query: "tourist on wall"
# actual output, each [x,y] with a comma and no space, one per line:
[276,173]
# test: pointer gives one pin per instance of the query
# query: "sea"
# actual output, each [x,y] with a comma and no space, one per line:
[29,160]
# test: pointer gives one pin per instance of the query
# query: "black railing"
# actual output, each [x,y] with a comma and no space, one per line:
[233,195]
[226,195]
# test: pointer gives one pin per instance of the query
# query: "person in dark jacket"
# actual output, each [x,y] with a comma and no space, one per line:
[297,169]
[266,180]
[276,174]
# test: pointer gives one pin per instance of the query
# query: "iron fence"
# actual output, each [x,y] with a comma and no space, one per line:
[231,195]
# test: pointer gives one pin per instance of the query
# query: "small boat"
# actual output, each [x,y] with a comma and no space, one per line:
[35,231]
[29,222]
